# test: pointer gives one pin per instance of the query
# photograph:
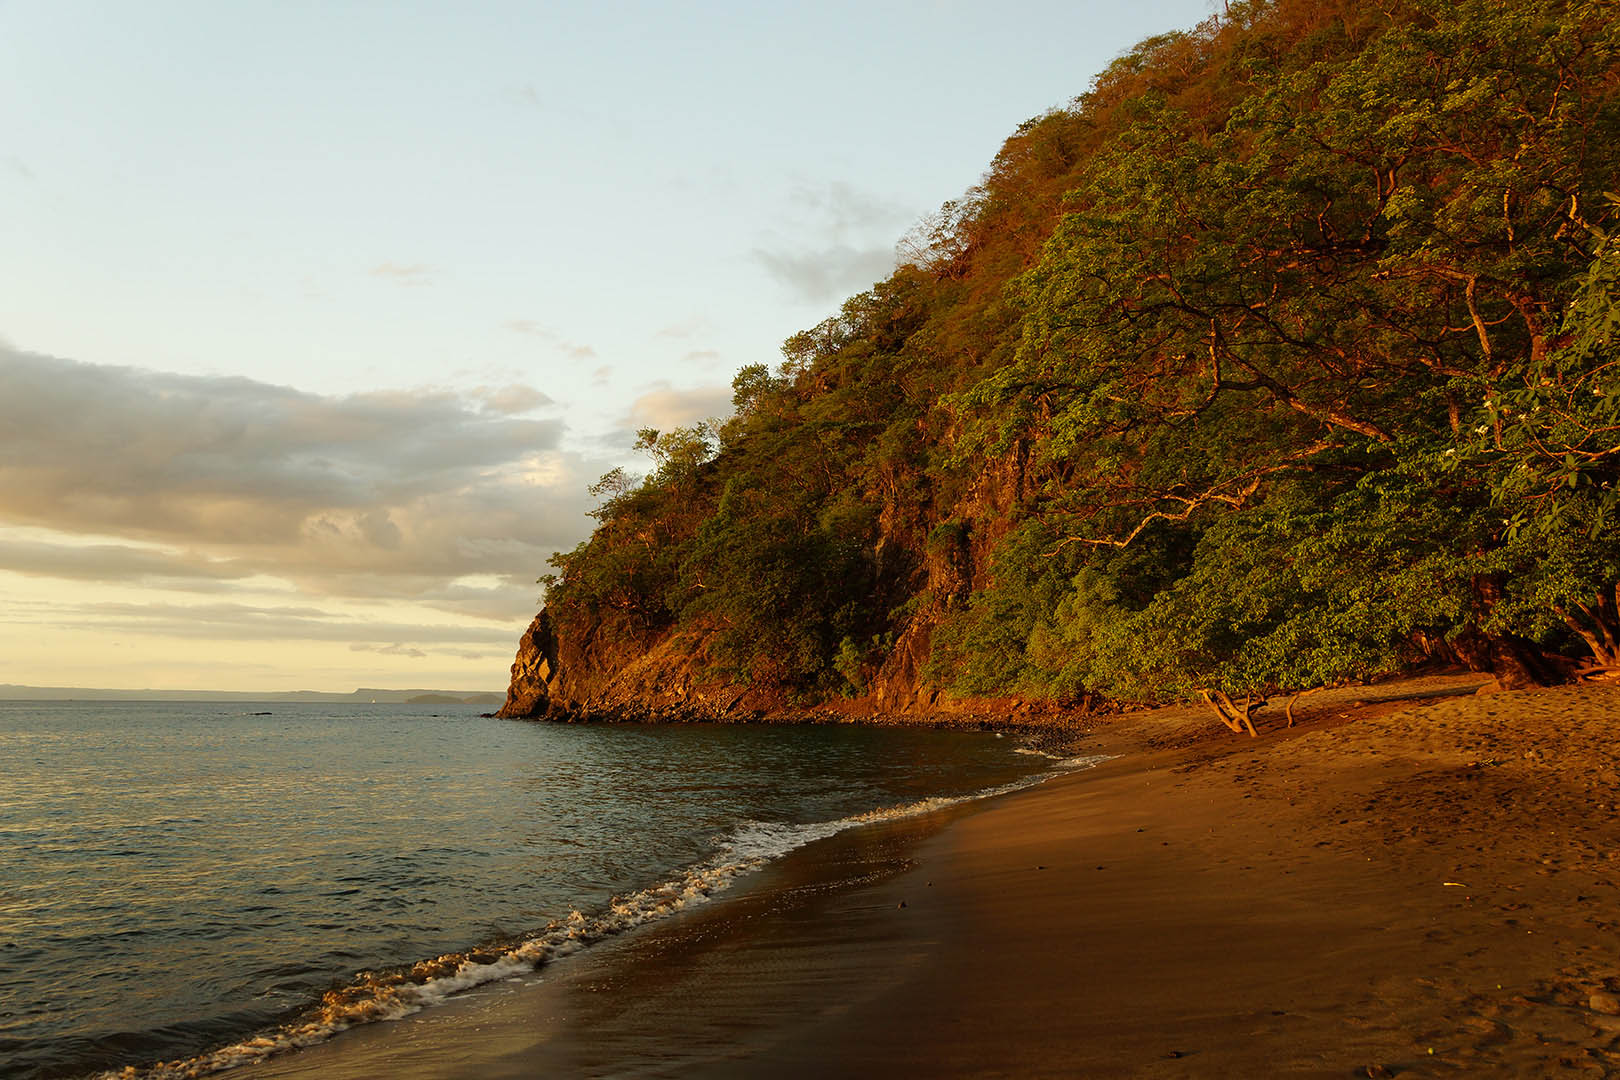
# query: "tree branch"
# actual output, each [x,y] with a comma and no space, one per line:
[1249,481]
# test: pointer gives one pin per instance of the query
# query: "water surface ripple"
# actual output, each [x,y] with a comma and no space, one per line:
[175,877]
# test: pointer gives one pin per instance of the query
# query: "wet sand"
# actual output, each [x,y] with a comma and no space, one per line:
[1405,884]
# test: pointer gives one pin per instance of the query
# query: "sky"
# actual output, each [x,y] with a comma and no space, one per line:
[318,318]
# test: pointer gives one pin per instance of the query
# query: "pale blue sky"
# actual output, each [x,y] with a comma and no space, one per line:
[576,218]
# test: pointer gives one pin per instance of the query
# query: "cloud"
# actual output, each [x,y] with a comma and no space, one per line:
[396,649]
[508,599]
[119,562]
[843,241]
[664,407]
[184,481]
[545,333]
[829,274]
[511,399]
[17,166]
[226,621]
[404,274]
[843,208]
[512,600]
[701,356]
[399,648]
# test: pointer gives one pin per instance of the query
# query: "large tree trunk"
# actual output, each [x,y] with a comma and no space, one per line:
[1598,624]
[1516,662]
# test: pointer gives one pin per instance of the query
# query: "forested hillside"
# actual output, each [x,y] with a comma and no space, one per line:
[1288,354]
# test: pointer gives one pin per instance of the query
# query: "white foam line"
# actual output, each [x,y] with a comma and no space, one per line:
[393,996]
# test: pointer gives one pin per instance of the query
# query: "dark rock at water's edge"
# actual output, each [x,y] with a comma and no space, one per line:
[585,680]
[535,669]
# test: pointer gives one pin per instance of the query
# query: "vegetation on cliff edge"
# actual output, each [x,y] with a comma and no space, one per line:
[1288,354]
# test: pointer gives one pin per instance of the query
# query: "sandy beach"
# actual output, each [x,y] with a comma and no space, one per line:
[1416,880]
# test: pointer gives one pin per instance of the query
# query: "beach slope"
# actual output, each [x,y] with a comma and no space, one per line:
[1424,887]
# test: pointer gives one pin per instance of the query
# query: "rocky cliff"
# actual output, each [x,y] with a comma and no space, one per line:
[589,675]
[572,670]
[533,672]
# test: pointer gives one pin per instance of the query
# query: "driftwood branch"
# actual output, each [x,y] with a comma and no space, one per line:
[1234,716]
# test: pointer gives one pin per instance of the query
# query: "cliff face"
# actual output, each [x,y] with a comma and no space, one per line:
[580,670]
[589,675]
[533,672]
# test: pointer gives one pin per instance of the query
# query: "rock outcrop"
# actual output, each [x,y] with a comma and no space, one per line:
[534,672]
[574,668]
[587,677]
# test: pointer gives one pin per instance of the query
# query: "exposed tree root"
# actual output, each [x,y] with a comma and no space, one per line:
[1233,715]
[1295,699]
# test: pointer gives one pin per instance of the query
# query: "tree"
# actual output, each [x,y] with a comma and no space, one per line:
[1284,356]
[1549,442]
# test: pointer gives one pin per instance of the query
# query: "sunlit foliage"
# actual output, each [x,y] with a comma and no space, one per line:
[1284,356]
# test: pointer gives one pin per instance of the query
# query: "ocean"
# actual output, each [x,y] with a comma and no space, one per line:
[185,887]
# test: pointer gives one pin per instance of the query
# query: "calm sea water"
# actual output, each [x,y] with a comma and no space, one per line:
[204,884]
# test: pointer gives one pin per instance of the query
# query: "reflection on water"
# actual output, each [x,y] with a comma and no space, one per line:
[175,876]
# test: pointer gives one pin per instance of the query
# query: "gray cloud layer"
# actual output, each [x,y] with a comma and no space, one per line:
[210,479]
[247,622]
[117,562]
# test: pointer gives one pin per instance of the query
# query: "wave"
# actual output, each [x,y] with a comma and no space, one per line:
[393,995]
[1060,761]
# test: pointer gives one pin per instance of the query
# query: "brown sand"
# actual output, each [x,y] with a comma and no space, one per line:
[1406,884]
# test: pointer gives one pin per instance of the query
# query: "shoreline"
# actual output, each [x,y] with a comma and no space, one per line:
[758,797]
[1386,880]
[1064,730]
[490,1030]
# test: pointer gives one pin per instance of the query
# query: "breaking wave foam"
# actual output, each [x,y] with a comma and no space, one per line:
[394,995]
[1059,761]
